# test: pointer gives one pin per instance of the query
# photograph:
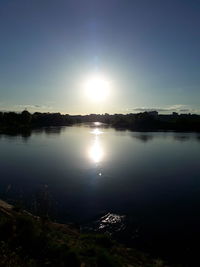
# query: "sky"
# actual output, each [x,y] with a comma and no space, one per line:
[148,51]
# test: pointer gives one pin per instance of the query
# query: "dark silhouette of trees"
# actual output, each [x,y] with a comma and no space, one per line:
[25,117]
[146,121]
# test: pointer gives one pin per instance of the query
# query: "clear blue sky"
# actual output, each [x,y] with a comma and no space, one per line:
[148,49]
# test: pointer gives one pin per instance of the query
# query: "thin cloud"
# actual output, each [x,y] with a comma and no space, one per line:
[28,106]
[169,109]
[185,110]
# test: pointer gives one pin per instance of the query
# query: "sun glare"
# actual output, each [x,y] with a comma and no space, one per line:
[96,152]
[97,88]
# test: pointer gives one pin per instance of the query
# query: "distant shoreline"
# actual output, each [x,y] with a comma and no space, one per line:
[145,121]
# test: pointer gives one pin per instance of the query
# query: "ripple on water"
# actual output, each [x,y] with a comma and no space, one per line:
[113,222]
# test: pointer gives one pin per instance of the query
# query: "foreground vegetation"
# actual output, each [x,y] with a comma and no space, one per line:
[10,121]
[27,240]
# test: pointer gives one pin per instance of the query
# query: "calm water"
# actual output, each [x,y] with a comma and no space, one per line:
[151,178]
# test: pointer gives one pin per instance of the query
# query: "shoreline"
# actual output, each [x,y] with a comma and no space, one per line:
[22,239]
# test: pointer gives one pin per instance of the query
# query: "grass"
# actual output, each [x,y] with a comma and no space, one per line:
[29,241]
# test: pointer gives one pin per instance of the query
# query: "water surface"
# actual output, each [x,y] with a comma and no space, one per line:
[151,178]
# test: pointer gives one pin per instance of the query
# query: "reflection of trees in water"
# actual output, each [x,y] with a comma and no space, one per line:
[53,130]
[12,134]
[25,134]
[143,137]
[181,138]
[198,138]
[185,137]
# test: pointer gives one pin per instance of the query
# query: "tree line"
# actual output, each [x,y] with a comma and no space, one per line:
[140,121]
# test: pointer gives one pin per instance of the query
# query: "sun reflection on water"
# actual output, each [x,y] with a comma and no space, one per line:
[96,151]
[96,132]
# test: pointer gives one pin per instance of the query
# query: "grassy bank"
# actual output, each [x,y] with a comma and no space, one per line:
[27,240]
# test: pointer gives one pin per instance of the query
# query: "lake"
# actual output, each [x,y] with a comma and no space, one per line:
[150,180]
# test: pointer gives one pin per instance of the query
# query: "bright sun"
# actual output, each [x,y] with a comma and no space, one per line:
[97,88]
